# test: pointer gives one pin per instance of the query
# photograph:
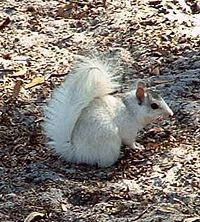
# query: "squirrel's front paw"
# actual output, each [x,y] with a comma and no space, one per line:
[137,146]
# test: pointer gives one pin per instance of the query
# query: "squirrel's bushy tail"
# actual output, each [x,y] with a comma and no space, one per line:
[88,80]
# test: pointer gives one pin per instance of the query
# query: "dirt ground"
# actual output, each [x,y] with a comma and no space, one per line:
[155,40]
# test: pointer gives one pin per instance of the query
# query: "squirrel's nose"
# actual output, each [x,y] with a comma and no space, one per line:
[170,113]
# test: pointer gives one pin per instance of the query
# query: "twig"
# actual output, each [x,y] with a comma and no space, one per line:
[141,214]
[7,70]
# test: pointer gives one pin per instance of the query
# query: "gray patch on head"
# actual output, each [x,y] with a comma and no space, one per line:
[154,95]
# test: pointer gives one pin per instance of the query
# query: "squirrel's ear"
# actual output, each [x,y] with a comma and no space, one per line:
[140,91]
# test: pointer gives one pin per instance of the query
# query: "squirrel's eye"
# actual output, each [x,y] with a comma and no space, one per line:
[154,106]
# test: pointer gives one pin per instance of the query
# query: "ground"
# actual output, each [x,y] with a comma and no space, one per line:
[155,40]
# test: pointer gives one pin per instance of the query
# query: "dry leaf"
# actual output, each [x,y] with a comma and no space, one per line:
[155,71]
[6,56]
[156,130]
[5,23]
[72,10]
[17,87]
[36,81]
[63,206]
[66,10]
[30,8]
[154,2]
[168,209]
[192,219]
[20,72]
[34,215]
[104,3]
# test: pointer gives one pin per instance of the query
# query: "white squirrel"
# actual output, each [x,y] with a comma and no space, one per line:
[88,125]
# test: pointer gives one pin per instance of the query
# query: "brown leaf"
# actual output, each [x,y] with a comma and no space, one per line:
[154,2]
[33,216]
[155,71]
[104,3]
[72,10]
[66,10]
[16,88]
[6,56]
[30,8]
[5,23]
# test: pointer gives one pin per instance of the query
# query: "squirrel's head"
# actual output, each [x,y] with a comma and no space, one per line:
[150,105]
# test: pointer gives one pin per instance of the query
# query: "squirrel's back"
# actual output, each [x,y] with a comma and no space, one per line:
[89,79]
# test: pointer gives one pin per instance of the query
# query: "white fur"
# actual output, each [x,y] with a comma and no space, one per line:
[86,125]
[90,79]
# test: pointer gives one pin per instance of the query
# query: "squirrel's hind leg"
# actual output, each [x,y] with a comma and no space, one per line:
[96,141]
[101,149]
